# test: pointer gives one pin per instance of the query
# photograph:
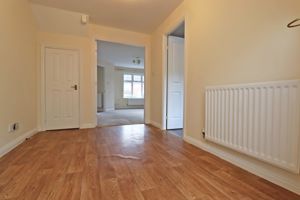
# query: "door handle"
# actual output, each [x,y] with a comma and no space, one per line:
[75,87]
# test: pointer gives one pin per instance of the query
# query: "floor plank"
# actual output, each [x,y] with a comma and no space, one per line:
[135,162]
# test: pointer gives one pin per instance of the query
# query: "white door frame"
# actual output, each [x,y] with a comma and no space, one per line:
[165,75]
[147,71]
[44,46]
[175,120]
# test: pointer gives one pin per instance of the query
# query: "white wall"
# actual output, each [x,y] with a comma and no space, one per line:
[17,72]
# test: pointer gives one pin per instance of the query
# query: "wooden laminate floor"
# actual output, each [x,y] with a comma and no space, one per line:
[126,162]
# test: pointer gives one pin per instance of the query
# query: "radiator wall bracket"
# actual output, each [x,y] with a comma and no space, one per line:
[203,133]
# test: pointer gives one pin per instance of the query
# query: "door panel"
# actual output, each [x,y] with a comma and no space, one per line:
[62,99]
[175,81]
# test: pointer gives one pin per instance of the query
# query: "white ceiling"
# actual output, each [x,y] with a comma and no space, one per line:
[119,55]
[136,15]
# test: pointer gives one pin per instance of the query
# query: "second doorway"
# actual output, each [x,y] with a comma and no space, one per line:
[175,81]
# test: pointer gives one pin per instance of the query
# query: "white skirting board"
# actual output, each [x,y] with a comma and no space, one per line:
[108,109]
[156,124]
[13,144]
[284,181]
[87,126]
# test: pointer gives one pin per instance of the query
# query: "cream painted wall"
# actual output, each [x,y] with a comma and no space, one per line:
[130,38]
[158,63]
[45,19]
[227,42]
[230,42]
[17,71]
[85,41]
[83,44]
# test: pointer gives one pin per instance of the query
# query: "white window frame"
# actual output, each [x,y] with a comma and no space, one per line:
[133,81]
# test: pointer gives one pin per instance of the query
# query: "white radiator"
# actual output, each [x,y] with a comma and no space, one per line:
[261,120]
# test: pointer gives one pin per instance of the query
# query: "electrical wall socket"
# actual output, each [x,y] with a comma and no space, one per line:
[13,127]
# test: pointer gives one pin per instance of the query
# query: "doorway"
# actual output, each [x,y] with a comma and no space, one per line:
[120,84]
[175,81]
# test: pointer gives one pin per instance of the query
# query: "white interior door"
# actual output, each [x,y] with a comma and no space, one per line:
[175,83]
[62,89]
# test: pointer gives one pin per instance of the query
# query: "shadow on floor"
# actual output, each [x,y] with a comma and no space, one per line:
[177,132]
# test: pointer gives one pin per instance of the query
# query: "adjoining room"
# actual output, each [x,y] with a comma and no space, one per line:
[120,85]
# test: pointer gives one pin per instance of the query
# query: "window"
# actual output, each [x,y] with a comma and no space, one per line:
[133,86]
